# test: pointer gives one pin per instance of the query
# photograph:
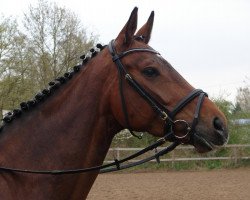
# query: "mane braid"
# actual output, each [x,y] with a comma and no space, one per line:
[53,85]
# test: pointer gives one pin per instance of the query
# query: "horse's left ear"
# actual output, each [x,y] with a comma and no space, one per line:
[144,32]
[126,35]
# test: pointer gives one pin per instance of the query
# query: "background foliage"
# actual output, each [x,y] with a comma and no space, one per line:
[49,42]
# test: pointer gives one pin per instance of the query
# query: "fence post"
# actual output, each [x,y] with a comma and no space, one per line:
[235,154]
[173,159]
[118,153]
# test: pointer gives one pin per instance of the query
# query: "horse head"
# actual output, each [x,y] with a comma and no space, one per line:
[150,95]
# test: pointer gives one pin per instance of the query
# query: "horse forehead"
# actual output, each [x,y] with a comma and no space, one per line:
[151,59]
[159,56]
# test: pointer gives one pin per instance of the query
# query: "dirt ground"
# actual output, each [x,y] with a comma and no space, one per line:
[233,184]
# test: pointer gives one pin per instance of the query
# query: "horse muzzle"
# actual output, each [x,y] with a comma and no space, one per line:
[205,141]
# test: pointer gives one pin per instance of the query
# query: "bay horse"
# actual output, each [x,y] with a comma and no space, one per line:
[71,123]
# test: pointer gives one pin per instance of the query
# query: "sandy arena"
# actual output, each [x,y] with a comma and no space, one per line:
[233,184]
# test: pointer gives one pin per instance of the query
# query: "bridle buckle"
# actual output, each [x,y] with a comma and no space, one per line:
[164,116]
[127,76]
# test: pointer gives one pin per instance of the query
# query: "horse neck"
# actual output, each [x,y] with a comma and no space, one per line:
[73,128]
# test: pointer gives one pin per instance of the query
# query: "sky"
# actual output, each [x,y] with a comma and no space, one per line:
[206,41]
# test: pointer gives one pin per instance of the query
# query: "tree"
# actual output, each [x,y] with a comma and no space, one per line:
[8,34]
[243,98]
[56,40]
[225,106]
[51,43]
[12,45]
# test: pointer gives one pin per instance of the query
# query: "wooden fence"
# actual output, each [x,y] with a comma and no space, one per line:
[232,152]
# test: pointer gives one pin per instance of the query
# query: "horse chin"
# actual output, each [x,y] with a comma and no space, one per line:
[202,144]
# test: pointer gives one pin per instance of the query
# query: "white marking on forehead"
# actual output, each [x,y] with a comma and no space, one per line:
[159,55]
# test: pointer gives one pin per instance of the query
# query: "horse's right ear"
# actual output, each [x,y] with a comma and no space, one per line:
[126,35]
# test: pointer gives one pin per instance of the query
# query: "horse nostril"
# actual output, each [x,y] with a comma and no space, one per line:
[218,125]
[221,133]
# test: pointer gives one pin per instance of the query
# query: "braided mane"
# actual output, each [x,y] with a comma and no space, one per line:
[53,85]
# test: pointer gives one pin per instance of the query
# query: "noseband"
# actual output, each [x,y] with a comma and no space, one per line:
[166,115]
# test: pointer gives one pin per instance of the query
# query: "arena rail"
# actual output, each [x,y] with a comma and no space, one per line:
[235,153]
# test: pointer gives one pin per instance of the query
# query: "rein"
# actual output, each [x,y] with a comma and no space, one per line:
[166,115]
[114,166]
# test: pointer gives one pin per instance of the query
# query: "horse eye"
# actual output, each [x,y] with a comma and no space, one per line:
[150,72]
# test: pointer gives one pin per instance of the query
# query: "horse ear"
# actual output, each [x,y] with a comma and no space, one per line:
[144,33]
[126,35]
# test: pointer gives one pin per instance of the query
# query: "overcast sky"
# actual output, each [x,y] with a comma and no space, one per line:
[207,41]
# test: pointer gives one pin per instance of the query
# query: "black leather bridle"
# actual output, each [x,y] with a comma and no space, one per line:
[166,115]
